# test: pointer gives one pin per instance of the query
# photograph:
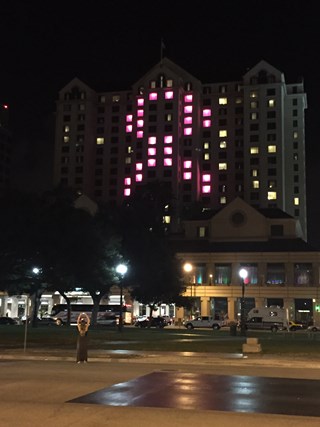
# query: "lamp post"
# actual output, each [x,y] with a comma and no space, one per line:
[188,268]
[121,269]
[243,274]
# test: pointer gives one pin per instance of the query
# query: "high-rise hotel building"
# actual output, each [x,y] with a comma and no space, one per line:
[210,142]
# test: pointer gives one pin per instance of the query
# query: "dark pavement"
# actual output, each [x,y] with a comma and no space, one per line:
[141,389]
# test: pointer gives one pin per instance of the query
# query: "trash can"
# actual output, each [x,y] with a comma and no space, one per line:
[233,329]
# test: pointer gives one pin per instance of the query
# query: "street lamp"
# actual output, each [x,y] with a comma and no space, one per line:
[188,268]
[243,274]
[121,269]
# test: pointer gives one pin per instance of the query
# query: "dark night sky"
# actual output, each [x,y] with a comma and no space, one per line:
[111,44]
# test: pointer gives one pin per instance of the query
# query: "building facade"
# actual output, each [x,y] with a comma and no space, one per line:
[283,270]
[210,143]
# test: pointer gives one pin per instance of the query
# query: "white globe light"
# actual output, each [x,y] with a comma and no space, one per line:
[121,269]
[243,273]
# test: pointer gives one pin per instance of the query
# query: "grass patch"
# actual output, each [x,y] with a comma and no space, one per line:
[167,339]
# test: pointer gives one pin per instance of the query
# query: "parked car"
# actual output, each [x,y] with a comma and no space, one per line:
[295,326]
[168,319]
[154,322]
[313,328]
[204,322]
[5,320]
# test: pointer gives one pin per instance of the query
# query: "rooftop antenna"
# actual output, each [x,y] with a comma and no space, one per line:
[162,48]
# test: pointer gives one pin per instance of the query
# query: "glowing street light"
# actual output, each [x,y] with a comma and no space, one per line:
[243,273]
[121,269]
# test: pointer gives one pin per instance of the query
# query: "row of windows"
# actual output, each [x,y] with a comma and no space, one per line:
[274,274]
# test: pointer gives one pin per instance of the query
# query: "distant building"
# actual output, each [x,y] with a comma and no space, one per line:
[5,148]
[283,270]
[210,143]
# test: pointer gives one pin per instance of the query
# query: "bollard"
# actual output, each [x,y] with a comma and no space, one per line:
[83,323]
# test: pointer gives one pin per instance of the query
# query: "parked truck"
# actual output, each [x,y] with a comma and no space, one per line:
[271,318]
[204,322]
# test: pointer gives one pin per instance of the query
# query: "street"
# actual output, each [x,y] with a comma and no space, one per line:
[117,393]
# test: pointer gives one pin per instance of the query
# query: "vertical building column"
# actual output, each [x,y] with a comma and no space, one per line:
[205,306]
[289,268]
[232,309]
[259,302]
[288,304]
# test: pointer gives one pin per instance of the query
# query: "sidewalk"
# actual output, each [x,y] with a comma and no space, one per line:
[125,356]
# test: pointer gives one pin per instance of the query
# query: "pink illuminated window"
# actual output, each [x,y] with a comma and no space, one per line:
[187,131]
[152,162]
[140,134]
[127,181]
[187,120]
[188,109]
[140,123]
[127,192]
[168,94]
[152,140]
[167,151]
[140,101]
[206,112]
[129,118]
[187,175]
[187,164]
[139,167]
[206,189]
[152,151]
[168,139]
[140,113]
[153,96]
[206,123]
[206,177]
[129,128]
[167,162]
[138,177]
[188,98]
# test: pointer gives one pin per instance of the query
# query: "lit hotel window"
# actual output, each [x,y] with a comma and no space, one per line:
[223,133]
[187,131]
[168,94]
[187,109]
[272,148]
[168,139]
[253,94]
[66,139]
[296,201]
[254,150]
[223,101]
[253,104]
[140,113]
[129,117]
[139,167]
[206,112]
[206,156]
[188,98]
[168,117]
[187,120]
[128,160]
[152,163]
[138,177]
[127,192]
[167,162]
[153,96]
[167,151]
[152,140]
[167,219]
[255,184]
[295,135]
[222,166]
[206,123]
[254,172]
[100,141]
[127,181]
[152,151]
[223,200]
[206,145]
[206,177]
[66,129]
[253,116]
[140,101]
[272,195]
[206,189]
[271,103]
[169,83]
[129,128]
[187,164]
[187,175]
[140,134]
[140,123]
[223,144]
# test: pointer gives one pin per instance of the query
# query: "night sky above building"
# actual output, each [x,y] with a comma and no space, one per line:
[110,45]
